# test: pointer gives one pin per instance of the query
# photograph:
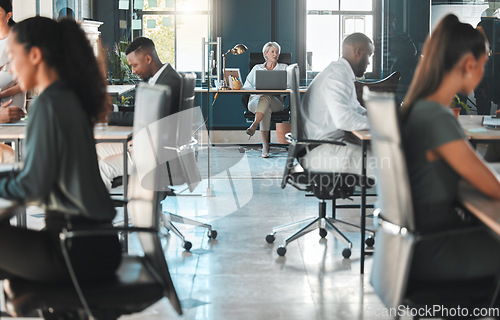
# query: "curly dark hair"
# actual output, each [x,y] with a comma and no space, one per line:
[65,48]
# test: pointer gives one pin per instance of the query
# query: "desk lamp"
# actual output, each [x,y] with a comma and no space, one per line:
[238,49]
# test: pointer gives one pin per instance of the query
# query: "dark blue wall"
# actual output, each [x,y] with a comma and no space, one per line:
[250,23]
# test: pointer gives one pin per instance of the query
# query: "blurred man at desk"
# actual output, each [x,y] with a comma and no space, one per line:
[144,60]
[330,108]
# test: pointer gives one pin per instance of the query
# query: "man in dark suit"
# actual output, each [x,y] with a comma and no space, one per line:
[144,60]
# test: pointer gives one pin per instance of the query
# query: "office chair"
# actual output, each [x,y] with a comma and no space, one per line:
[396,235]
[141,280]
[388,84]
[186,171]
[324,185]
[281,116]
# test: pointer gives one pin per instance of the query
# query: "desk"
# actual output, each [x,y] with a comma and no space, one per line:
[117,90]
[483,207]
[117,134]
[474,122]
[123,135]
[13,134]
[243,91]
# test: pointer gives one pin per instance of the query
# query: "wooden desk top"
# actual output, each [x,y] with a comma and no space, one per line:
[12,132]
[113,132]
[483,207]
[472,125]
[362,134]
[116,90]
[241,91]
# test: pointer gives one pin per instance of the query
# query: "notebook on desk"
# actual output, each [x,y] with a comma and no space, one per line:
[491,122]
[270,79]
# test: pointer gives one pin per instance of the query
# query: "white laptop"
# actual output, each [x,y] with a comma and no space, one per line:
[270,79]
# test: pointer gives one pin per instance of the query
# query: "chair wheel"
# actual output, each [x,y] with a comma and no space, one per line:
[270,238]
[370,241]
[322,233]
[212,234]
[346,253]
[281,251]
[187,245]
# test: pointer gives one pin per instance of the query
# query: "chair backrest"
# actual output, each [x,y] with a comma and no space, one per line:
[185,127]
[258,58]
[392,183]
[144,206]
[188,83]
[295,129]
[293,80]
[388,84]
[171,159]
[394,237]
[184,168]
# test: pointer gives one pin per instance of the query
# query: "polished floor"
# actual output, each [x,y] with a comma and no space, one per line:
[239,275]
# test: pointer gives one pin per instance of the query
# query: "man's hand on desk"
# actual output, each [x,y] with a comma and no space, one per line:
[9,113]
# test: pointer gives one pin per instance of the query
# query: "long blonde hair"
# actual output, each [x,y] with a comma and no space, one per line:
[449,42]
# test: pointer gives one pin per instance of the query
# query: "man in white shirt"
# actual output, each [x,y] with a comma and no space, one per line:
[330,108]
[144,60]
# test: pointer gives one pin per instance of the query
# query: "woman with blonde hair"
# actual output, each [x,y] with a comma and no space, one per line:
[438,155]
[264,105]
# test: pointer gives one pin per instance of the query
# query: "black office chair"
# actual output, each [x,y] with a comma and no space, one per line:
[185,171]
[396,235]
[324,186]
[388,84]
[258,58]
[141,280]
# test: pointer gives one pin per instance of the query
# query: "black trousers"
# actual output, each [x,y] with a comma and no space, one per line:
[462,256]
[37,255]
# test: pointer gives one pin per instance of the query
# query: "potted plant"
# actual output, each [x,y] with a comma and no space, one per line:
[119,71]
[457,105]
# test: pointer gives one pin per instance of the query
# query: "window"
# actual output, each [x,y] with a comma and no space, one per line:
[328,22]
[176,27]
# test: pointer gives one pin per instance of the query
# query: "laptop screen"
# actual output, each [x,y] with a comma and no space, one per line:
[270,79]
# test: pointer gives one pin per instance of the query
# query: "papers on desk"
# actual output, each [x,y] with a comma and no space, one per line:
[491,122]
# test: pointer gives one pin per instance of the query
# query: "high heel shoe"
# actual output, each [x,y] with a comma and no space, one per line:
[250,132]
